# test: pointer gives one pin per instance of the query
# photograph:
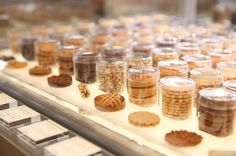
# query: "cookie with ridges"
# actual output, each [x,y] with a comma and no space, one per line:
[183,138]
[144,119]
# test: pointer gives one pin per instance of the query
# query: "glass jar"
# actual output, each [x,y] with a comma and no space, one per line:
[76,40]
[186,48]
[139,47]
[142,85]
[173,68]
[46,52]
[230,85]
[166,42]
[99,37]
[65,59]
[85,66]
[216,111]
[228,69]
[197,61]
[138,60]
[210,44]
[206,78]
[41,31]
[111,75]
[176,97]
[218,56]
[115,52]
[164,53]
[122,42]
[86,28]
[28,48]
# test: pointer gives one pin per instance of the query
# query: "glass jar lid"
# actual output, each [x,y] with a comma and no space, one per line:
[220,53]
[206,72]
[87,56]
[230,84]
[166,41]
[172,63]
[164,51]
[115,51]
[231,65]
[196,58]
[218,95]
[143,70]
[187,46]
[177,83]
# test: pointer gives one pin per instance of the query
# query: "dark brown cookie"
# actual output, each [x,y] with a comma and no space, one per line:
[62,80]
[183,138]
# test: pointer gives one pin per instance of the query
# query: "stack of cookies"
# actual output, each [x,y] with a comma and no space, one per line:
[173,68]
[142,85]
[76,40]
[177,97]
[65,59]
[206,78]
[216,111]
[46,52]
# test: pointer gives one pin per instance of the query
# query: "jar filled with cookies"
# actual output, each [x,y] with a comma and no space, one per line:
[173,68]
[111,75]
[86,28]
[27,47]
[218,56]
[216,111]
[141,47]
[142,85]
[176,97]
[230,85]
[197,61]
[228,69]
[65,59]
[186,48]
[100,37]
[138,60]
[46,50]
[210,44]
[206,78]
[75,40]
[115,52]
[163,53]
[85,66]
[166,41]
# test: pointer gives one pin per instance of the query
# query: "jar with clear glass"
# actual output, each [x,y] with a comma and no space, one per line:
[186,48]
[228,69]
[138,60]
[197,61]
[116,52]
[216,111]
[65,59]
[163,53]
[46,50]
[142,85]
[166,42]
[139,47]
[176,97]
[75,40]
[206,78]
[173,68]
[218,56]
[27,47]
[230,85]
[210,44]
[14,37]
[86,28]
[85,66]
[111,75]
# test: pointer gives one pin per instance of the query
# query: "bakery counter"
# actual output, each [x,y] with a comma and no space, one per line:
[129,131]
[69,116]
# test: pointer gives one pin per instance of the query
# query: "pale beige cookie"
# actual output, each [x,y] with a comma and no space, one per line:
[144,119]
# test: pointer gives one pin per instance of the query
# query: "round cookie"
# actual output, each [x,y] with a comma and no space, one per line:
[144,119]
[62,80]
[16,64]
[109,102]
[40,70]
[183,138]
